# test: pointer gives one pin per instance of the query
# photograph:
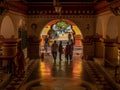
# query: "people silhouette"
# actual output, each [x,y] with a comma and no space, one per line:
[60,50]
[54,49]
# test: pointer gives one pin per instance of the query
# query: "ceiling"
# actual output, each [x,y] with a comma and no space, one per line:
[46,7]
[67,0]
[61,0]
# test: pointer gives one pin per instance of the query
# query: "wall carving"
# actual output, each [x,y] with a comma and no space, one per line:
[57,16]
[63,12]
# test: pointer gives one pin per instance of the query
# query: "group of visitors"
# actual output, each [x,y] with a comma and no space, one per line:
[68,51]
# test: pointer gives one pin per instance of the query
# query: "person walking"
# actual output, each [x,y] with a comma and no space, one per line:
[71,42]
[69,36]
[54,49]
[46,43]
[68,51]
[60,49]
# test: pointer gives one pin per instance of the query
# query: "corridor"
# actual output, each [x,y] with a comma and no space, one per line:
[33,26]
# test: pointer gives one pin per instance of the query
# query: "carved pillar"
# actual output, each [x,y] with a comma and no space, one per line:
[9,48]
[111,53]
[99,48]
[33,48]
[88,48]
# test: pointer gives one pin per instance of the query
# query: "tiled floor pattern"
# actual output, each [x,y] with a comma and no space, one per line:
[98,77]
[16,82]
[69,77]
[58,76]
[110,70]
[62,84]
[101,82]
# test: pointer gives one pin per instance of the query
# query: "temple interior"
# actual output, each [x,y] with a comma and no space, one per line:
[29,28]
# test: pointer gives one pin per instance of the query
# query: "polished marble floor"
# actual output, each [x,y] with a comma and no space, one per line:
[77,74]
[64,75]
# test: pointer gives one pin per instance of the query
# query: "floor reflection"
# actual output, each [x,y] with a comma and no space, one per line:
[45,70]
[59,75]
[62,68]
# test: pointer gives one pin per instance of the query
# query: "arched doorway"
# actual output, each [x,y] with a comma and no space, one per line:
[113,27]
[59,29]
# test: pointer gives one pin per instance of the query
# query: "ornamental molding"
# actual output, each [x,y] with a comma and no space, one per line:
[60,17]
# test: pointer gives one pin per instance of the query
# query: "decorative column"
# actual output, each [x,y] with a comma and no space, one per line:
[111,53]
[33,47]
[99,48]
[88,48]
[9,49]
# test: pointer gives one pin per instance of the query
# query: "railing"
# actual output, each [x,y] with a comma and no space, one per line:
[115,66]
[108,63]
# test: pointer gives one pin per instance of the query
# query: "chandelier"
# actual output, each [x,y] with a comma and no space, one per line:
[57,6]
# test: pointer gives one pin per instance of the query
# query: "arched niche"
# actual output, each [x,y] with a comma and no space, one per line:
[99,27]
[7,27]
[113,27]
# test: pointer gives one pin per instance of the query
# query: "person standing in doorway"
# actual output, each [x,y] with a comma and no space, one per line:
[71,42]
[69,36]
[54,49]
[68,51]
[60,49]
[46,43]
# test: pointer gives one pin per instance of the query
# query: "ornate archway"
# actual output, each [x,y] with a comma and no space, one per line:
[71,27]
